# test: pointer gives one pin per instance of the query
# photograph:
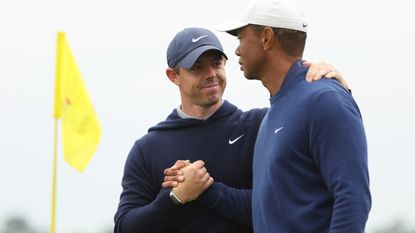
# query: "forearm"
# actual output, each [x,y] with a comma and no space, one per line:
[151,217]
[231,203]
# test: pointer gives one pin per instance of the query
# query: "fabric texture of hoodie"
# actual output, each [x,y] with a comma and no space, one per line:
[225,142]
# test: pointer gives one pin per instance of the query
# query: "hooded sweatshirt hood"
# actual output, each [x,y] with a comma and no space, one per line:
[174,121]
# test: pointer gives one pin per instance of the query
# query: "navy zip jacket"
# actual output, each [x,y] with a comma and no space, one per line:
[225,142]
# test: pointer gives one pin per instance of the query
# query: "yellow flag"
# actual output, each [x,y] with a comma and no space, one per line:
[80,126]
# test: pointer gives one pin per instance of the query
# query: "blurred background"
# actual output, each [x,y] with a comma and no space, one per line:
[120,48]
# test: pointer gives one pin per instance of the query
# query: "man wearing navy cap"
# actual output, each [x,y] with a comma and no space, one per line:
[204,129]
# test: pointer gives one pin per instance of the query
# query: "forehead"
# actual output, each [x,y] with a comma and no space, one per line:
[249,29]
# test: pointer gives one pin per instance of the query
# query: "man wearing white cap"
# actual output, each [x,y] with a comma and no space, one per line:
[310,162]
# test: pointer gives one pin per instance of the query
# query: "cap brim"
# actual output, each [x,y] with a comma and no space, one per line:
[231,27]
[190,59]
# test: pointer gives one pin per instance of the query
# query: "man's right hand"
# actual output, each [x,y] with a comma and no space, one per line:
[196,180]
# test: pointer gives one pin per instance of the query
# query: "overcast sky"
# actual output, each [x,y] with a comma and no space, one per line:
[120,49]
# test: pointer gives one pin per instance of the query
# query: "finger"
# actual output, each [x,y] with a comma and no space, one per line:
[321,73]
[205,178]
[176,166]
[201,172]
[314,74]
[169,184]
[172,172]
[199,164]
[169,172]
[316,70]
[183,163]
[331,74]
[312,71]
[210,181]
[179,164]
[309,76]
[307,63]
[174,178]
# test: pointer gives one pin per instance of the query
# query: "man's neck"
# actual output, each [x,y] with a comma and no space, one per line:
[200,112]
[274,76]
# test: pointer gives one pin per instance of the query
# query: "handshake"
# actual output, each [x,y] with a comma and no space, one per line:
[187,180]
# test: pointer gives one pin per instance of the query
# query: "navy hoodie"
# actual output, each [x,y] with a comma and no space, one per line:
[225,142]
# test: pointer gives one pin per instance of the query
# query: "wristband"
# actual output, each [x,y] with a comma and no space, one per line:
[175,199]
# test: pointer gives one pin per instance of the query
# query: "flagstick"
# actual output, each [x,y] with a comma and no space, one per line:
[55,151]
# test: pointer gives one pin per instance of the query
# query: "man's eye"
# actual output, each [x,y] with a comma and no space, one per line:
[195,67]
[218,63]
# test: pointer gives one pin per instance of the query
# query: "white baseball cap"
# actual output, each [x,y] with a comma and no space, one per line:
[271,13]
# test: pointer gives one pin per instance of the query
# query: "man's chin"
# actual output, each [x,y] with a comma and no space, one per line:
[250,77]
[212,101]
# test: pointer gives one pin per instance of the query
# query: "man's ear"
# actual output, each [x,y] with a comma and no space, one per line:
[268,38]
[173,76]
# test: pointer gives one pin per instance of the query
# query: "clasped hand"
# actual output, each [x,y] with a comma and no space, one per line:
[187,180]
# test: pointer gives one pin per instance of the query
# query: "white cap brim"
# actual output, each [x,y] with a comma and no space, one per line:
[231,27]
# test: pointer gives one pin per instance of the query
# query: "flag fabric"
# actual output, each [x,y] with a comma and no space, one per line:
[81,131]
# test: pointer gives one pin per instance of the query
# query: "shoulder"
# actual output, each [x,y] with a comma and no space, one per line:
[141,145]
[149,139]
[323,86]
[254,114]
[328,98]
[308,94]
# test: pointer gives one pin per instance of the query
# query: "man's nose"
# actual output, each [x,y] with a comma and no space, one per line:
[237,52]
[211,71]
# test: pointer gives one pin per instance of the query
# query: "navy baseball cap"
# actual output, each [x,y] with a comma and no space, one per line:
[188,44]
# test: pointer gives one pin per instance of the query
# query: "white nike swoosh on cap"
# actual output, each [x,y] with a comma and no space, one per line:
[194,40]
[236,139]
